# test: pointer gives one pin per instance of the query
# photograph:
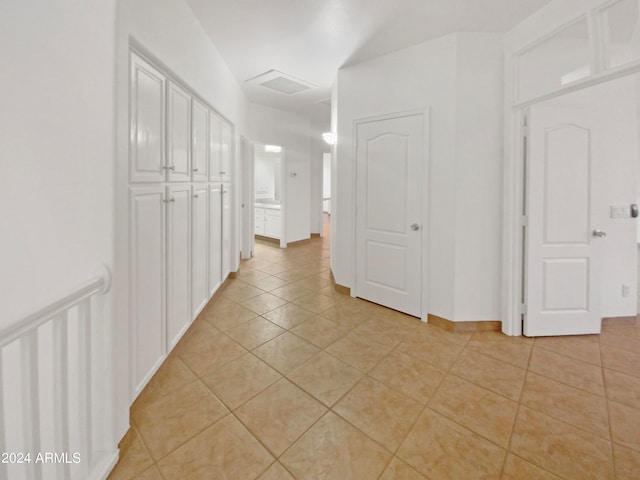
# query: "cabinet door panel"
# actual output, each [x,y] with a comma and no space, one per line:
[200,142]
[147,92]
[273,223]
[178,262]
[215,238]
[200,251]
[215,142]
[179,137]
[226,230]
[226,151]
[147,282]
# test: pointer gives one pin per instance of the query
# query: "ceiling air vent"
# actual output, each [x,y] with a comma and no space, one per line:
[281,82]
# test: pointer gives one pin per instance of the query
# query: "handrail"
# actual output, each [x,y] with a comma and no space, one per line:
[98,284]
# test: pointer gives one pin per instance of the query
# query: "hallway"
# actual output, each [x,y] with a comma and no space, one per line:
[282,377]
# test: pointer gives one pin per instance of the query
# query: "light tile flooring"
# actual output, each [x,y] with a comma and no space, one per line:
[281,377]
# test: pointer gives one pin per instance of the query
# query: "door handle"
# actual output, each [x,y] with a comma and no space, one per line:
[599,233]
[415,227]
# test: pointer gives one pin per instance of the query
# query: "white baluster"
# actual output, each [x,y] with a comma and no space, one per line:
[61,390]
[85,381]
[30,401]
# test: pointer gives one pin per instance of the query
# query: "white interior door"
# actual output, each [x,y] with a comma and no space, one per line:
[390,155]
[563,249]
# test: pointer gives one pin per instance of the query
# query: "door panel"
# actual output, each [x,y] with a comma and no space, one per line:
[147,214]
[563,256]
[390,155]
[178,262]
[215,238]
[147,122]
[179,136]
[200,142]
[226,151]
[215,141]
[226,231]
[200,251]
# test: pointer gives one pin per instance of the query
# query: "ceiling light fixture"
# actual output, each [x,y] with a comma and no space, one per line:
[329,137]
[272,148]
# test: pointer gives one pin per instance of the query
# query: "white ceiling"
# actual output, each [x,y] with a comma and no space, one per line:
[312,39]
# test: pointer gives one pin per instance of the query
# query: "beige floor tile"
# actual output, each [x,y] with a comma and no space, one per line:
[264,303]
[286,352]
[386,332]
[625,425]
[580,347]
[315,303]
[289,315]
[229,316]
[205,356]
[408,375]
[252,276]
[320,331]
[279,415]
[224,450]
[171,376]
[134,462]
[347,317]
[398,470]
[325,377]
[314,282]
[622,388]
[293,274]
[560,448]
[276,472]
[168,423]
[360,352]
[620,340]
[239,380]
[514,350]
[626,463]
[515,468]
[568,404]
[448,443]
[495,375]
[257,263]
[291,292]
[567,370]
[275,268]
[239,291]
[269,283]
[480,410]
[200,331]
[621,360]
[334,450]
[255,332]
[379,411]
[439,353]
[431,332]
[152,473]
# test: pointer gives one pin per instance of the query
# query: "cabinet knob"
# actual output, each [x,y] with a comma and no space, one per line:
[223,173]
[195,169]
[195,195]
[172,167]
[171,200]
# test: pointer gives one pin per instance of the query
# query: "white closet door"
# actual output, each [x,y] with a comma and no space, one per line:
[200,251]
[147,282]
[215,237]
[200,142]
[178,262]
[226,231]
[215,142]
[226,151]
[179,136]
[147,122]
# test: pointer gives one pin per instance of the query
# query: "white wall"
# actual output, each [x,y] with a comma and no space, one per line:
[292,132]
[320,123]
[459,77]
[168,32]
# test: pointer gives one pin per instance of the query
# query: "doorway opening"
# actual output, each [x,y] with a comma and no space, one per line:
[268,194]
[580,179]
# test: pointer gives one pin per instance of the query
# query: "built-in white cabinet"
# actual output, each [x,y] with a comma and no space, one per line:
[179,134]
[215,237]
[147,156]
[178,262]
[179,213]
[147,281]
[268,222]
[226,230]
[200,248]
[199,142]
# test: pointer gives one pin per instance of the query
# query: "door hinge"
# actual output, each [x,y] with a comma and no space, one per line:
[523,308]
[524,220]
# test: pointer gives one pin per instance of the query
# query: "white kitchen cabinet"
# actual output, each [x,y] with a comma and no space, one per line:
[147,282]
[199,142]
[259,221]
[215,237]
[147,96]
[226,231]
[272,223]
[179,134]
[178,262]
[200,248]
